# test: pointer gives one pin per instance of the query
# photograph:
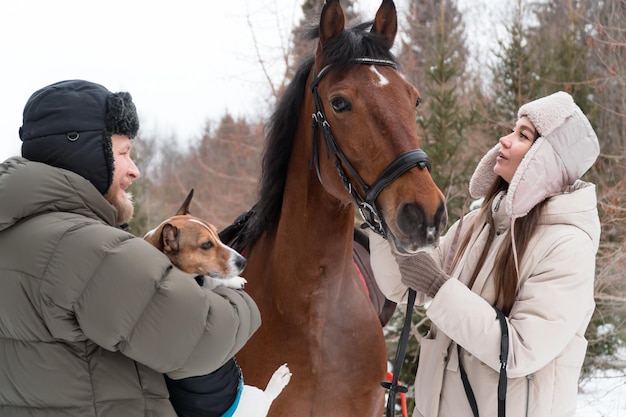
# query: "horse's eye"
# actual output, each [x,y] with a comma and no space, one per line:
[339,104]
[417,103]
[206,245]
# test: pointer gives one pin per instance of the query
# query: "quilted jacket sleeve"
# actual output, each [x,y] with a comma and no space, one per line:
[134,301]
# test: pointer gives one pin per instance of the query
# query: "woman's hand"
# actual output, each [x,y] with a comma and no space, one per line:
[421,273]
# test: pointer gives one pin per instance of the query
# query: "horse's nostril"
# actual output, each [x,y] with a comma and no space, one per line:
[410,219]
[442,215]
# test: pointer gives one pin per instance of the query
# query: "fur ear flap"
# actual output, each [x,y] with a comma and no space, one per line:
[169,238]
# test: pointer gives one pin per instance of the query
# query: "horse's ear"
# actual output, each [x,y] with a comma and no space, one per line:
[332,21]
[184,209]
[386,21]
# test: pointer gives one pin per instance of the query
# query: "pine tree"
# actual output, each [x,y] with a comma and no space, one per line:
[434,57]
[560,54]
[514,79]
[445,123]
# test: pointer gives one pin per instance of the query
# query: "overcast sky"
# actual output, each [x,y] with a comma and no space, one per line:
[183,61]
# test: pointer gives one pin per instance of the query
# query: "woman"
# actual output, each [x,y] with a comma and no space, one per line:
[530,252]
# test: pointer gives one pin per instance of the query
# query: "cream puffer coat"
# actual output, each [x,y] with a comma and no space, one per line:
[555,299]
[91,317]
[546,325]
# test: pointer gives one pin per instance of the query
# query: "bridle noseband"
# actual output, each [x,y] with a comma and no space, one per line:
[405,161]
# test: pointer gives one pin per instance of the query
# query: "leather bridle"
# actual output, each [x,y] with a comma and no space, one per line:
[366,205]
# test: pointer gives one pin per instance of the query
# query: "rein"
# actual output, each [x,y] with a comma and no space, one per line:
[393,386]
[366,205]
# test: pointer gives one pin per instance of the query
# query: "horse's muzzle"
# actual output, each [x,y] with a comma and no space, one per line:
[415,229]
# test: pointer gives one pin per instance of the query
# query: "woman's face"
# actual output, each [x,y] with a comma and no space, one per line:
[513,147]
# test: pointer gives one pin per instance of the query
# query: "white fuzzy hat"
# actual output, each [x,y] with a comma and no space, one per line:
[566,149]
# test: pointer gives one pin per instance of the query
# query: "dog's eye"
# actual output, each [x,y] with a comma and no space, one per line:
[206,245]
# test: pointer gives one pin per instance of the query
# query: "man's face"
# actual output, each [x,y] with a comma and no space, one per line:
[123,176]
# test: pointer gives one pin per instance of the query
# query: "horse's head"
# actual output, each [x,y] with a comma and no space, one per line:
[366,116]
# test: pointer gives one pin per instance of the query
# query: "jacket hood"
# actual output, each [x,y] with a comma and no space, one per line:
[566,148]
[29,188]
[576,207]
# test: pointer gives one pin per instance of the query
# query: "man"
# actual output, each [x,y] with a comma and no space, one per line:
[91,317]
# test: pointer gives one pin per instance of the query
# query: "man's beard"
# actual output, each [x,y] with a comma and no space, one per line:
[125,206]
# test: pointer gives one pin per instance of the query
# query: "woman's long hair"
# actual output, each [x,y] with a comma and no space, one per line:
[505,272]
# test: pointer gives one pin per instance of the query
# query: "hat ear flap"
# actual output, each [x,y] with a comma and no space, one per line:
[484,177]
[109,160]
[539,175]
[121,115]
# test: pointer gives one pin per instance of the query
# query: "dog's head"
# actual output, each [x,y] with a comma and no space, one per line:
[193,245]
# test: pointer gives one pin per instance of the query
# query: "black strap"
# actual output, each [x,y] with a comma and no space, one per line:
[504,354]
[393,386]
[466,384]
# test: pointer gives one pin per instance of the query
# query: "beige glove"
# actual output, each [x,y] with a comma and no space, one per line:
[421,273]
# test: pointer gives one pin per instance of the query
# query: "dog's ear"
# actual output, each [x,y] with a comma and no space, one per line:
[169,238]
[184,209]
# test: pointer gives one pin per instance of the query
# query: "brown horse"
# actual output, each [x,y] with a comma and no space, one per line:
[298,240]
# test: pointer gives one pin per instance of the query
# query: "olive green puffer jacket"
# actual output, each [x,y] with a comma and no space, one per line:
[91,317]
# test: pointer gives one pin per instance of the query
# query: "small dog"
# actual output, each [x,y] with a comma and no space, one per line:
[194,246]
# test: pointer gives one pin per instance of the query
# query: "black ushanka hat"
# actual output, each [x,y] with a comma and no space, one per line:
[69,125]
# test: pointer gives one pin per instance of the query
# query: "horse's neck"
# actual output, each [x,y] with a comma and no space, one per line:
[317,224]
[313,224]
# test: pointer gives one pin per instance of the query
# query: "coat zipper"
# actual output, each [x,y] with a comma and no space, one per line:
[528,380]
[497,207]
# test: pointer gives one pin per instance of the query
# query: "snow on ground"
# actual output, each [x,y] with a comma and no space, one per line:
[603,395]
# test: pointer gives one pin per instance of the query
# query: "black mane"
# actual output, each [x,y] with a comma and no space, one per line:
[351,43]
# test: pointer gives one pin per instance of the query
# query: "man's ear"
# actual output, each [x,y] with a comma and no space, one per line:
[169,237]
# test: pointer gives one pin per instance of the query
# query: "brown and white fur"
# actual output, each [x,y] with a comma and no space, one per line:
[193,245]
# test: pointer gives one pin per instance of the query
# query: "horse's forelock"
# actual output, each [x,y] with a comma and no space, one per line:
[356,42]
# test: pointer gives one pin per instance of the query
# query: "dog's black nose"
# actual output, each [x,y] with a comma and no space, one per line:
[241,263]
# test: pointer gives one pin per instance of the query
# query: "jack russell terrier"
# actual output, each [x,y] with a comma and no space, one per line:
[193,245]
